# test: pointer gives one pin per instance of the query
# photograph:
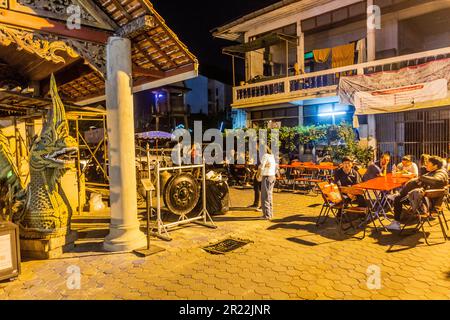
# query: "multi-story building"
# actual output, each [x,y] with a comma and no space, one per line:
[209,98]
[323,61]
[162,109]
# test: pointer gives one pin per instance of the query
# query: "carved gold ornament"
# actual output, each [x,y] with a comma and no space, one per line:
[35,44]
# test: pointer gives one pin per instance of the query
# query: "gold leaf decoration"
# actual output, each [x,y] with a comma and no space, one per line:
[35,44]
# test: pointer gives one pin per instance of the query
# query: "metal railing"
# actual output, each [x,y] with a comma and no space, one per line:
[311,84]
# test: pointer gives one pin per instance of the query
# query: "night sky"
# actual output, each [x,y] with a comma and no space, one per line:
[192,22]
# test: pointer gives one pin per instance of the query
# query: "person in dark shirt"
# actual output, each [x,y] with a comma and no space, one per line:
[435,178]
[379,168]
[346,175]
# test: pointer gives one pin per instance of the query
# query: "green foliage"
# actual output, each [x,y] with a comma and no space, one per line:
[311,134]
[348,146]
[339,139]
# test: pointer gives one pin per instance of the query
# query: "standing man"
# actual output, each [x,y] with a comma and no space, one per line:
[268,172]
[256,185]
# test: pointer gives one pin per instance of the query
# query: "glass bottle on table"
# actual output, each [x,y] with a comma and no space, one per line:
[394,170]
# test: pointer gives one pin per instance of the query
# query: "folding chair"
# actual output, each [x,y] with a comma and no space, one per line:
[436,198]
[307,181]
[282,179]
[332,201]
[351,209]
[447,198]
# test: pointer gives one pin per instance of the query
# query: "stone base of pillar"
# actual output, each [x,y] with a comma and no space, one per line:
[43,249]
[124,239]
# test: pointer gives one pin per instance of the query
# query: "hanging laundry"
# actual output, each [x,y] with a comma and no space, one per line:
[355,122]
[321,55]
[343,55]
[362,51]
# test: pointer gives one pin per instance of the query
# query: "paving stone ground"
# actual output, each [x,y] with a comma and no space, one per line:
[289,258]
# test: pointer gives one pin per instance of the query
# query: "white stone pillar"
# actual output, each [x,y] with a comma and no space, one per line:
[124,231]
[371,33]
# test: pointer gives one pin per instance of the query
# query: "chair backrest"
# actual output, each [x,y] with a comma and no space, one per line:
[330,192]
[435,198]
[435,193]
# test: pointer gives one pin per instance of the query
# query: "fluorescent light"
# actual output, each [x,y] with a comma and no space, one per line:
[328,114]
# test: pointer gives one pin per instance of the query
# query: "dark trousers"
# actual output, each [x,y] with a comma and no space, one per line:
[399,201]
[257,190]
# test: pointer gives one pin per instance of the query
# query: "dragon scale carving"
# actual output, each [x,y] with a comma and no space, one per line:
[44,213]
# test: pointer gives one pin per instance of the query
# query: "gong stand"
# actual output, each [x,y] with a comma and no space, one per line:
[203,218]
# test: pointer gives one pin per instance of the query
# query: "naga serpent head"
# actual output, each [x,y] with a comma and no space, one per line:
[54,148]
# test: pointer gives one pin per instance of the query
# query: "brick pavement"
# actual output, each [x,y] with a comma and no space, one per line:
[289,259]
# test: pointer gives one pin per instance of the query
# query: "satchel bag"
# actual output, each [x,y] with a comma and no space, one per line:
[259,175]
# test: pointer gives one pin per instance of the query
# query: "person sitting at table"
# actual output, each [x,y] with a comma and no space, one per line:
[379,168]
[346,175]
[423,164]
[408,166]
[435,178]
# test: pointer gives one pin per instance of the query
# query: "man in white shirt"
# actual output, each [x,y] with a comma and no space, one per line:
[268,171]
[407,166]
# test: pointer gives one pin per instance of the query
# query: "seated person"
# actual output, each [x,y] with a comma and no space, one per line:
[408,166]
[435,178]
[423,164]
[379,168]
[346,175]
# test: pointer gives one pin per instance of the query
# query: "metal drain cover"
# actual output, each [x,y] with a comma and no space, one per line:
[226,245]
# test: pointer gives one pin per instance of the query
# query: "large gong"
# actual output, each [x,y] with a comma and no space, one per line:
[181,194]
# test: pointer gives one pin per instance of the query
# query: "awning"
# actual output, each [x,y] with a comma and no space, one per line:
[262,42]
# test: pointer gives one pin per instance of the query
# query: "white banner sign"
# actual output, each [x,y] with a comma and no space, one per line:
[5,252]
[400,90]
[388,100]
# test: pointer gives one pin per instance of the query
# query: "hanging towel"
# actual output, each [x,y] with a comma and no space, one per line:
[343,55]
[362,52]
[321,55]
[355,122]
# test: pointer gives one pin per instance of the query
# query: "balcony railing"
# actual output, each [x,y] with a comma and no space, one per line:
[323,82]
